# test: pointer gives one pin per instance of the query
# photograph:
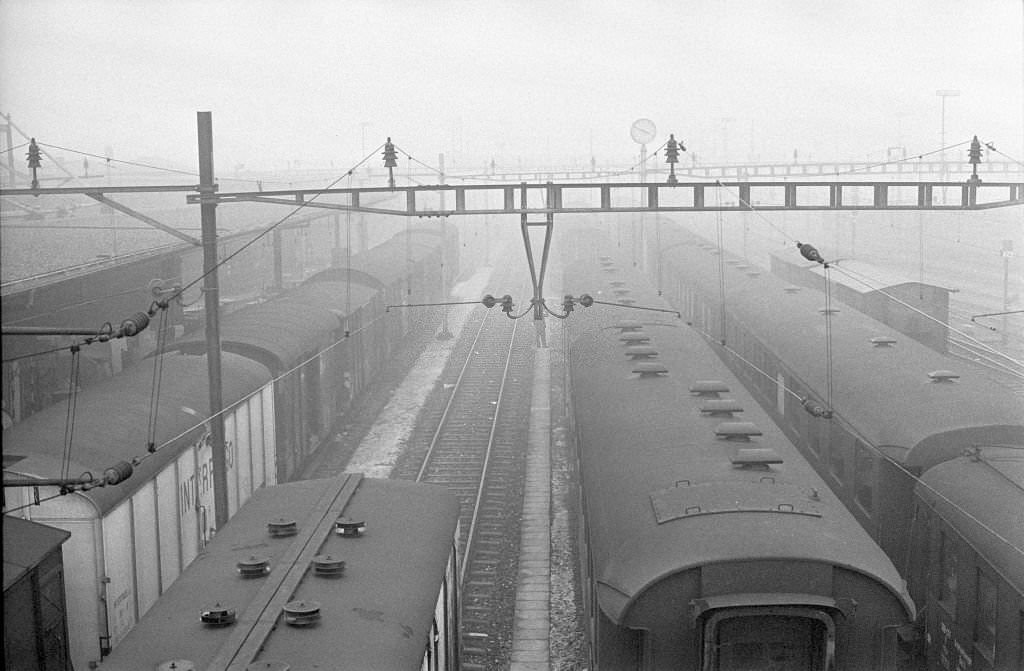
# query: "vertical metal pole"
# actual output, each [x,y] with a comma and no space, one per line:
[211,295]
[445,333]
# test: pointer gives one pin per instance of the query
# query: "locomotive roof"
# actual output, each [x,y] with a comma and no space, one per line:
[377,615]
[885,393]
[110,422]
[657,478]
[987,486]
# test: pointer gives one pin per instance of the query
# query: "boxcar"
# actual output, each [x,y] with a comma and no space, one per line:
[290,582]
[131,540]
[709,542]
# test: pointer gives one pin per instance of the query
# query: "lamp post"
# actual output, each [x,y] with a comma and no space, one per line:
[944,93]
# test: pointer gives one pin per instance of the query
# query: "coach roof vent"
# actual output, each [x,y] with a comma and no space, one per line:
[345,526]
[627,301]
[621,291]
[253,567]
[753,273]
[617,283]
[791,290]
[606,260]
[328,566]
[708,388]
[755,457]
[628,325]
[218,616]
[640,352]
[883,341]
[268,666]
[610,269]
[943,376]
[650,369]
[301,613]
[282,526]
[829,311]
[742,266]
[737,430]
[176,665]
[635,338]
[720,406]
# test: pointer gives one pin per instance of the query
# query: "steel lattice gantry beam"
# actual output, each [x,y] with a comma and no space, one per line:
[612,197]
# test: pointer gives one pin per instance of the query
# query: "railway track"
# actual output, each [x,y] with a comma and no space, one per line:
[472,438]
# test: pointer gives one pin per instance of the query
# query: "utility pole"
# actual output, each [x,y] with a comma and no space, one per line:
[211,296]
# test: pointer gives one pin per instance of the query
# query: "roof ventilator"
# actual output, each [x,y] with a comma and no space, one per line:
[741,266]
[792,290]
[328,566]
[720,406]
[757,458]
[828,311]
[641,352]
[740,431]
[268,666]
[254,567]
[628,325]
[621,291]
[635,338]
[650,369]
[176,665]
[753,273]
[282,527]
[883,341]
[943,376]
[618,283]
[301,613]
[344,526]
[218,616]
[710,388]
[627,301]
[610,269]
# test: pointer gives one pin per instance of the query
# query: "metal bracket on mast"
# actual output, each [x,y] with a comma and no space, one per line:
[537,279]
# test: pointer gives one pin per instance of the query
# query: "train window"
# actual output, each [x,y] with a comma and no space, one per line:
[985,617]
[947,569]
[864,473]
[755,642]
[837,454]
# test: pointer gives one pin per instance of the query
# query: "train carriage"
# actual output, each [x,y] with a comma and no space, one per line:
[349,572]
[704,552]
[968,552]
[129,541]
[291,367]
[889,394]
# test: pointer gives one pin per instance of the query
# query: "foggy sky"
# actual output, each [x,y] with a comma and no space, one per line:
[517,80]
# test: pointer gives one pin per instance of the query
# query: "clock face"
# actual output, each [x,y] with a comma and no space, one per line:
[642,131]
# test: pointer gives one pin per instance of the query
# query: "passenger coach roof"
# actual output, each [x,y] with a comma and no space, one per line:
[884,392]
[644,469]
[110,422]
[983,497]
